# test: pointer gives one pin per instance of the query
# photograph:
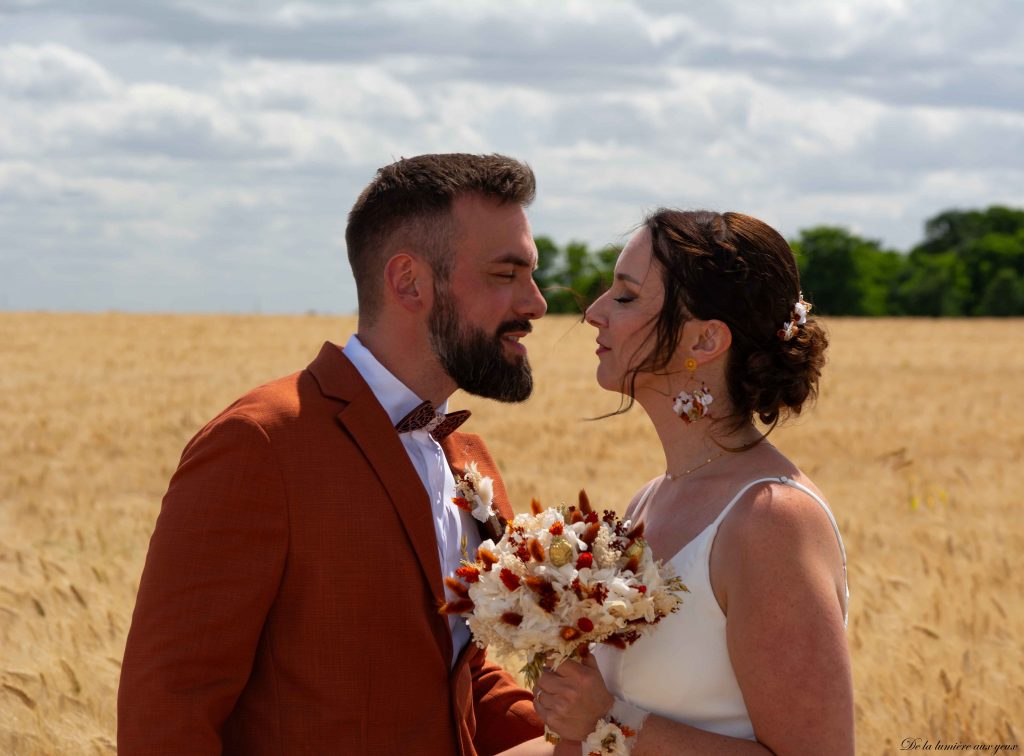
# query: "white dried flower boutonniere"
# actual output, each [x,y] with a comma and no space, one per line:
[474,493]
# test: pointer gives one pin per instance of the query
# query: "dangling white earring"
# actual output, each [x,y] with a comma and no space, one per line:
[692,406]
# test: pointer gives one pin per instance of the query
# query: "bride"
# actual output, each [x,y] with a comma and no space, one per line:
[705,328]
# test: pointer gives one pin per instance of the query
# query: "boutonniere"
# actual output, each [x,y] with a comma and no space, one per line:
[474,493]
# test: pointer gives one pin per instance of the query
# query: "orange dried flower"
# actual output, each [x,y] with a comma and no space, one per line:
[585,503]
[556,529]
[575,516]
[462,503]
[457,587]
[536,550]
[487,557]
[636,532]
[570,633]
[627,731]
[459,606]
[589,534]
[632,564]
[536,583]
[535,507]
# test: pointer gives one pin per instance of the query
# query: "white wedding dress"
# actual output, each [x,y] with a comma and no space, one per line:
[681,670]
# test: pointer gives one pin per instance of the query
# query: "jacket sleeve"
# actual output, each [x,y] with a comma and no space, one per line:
[213,569]
[504,711]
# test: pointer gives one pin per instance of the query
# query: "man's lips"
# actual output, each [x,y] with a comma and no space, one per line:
[511,338]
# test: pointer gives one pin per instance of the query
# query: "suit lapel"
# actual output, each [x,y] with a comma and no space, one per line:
[370,427]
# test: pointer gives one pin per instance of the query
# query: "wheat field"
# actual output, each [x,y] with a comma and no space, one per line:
[916,439]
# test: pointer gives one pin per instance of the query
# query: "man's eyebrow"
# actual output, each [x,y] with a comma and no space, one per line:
[627,277]
[514,259]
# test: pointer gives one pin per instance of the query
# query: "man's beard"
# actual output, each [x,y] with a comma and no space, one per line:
[474,359]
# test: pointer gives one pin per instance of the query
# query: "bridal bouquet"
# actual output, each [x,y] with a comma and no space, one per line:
[560,579]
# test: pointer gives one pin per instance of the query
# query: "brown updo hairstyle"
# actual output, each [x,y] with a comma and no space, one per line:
[736,269]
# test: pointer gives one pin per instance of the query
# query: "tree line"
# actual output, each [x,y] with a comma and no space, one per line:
[970,263]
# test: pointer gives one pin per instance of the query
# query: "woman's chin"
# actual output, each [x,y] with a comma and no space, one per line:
[606,382]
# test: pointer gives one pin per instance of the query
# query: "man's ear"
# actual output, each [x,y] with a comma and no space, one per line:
[713,338]
[407,282]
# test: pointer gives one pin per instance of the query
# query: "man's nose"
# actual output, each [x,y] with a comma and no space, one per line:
[533,305]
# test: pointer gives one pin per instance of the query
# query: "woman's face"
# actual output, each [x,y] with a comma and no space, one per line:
[625,315]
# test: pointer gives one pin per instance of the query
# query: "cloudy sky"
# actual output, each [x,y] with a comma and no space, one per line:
[177,155]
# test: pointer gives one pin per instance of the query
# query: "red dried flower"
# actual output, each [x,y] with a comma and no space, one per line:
[556,529]
[585,559]
[468,572]
[577,588]
[548,599]
[511,618]
[585,624]
[642,588]
[462,503]
[509,578]
[536,550]
[592,517]
[457,587]
[599,593]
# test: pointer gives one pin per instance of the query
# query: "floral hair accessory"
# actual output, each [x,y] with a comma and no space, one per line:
[474,493]
[799,318]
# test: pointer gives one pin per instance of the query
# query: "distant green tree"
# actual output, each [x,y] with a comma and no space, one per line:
[933,285]
[844,274]
[1004,295]
[984,241]
[573,277]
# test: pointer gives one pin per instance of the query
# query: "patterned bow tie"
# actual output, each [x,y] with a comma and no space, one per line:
[435,423]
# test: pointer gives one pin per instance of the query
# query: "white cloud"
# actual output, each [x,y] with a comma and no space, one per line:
[193,142]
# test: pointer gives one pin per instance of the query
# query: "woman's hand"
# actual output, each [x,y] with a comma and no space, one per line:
[572,698]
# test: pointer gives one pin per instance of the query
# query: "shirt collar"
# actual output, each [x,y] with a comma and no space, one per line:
[397,399]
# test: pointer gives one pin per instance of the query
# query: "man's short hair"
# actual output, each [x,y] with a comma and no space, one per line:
[408,204]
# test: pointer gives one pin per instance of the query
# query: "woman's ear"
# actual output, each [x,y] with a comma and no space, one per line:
[407,283]
[713,338]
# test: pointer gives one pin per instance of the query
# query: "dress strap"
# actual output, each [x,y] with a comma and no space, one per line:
[653,486]
[739,495]
[787,481]
[831,518]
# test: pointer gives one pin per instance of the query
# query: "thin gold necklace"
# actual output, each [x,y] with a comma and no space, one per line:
[708,461]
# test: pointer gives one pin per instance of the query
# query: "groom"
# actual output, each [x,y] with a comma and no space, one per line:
[289,602]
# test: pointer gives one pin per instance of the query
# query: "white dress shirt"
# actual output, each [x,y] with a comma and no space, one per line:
[427,457]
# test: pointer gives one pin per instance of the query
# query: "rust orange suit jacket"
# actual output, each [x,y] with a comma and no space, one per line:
[289,599]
